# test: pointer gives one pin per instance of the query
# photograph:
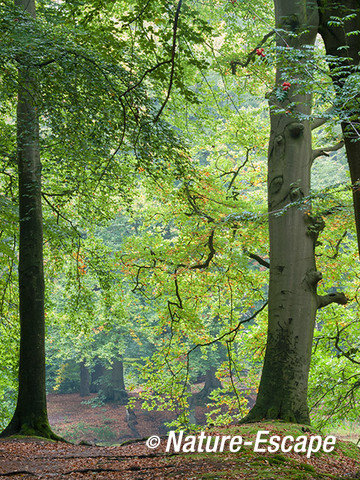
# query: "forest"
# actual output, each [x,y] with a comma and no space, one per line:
[179,237]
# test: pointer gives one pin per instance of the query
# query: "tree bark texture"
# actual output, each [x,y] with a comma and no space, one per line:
[293,299]
[30,417]
[336,36]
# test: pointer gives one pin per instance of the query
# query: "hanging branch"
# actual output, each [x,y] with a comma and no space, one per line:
[138,15]
[230,332]
[196,211]
[228,342]
[228,348]
[211,254]
[345,354]
[140,267]
[179,304]
[236,173]
[337,246]
[259,259]
[173,52]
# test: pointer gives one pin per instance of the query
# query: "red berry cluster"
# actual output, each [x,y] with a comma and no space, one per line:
[260,52]
[286,86]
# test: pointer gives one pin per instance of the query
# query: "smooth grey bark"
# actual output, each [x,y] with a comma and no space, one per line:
[293,299]
[293,231]
[30,417]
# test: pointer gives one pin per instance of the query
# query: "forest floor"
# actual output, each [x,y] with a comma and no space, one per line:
[76,419]
[26,458]
[105,428]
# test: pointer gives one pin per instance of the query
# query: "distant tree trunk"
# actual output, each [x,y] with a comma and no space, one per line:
[30,417]
[336,37]
[96,377]
[293,276]
[84,380]
[131,421]
[116,391]
[211,383]
[192,404]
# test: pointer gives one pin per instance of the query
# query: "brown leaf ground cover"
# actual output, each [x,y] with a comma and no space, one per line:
[37,459]
[74,418]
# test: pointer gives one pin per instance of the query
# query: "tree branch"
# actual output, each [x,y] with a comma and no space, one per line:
[260,260]
[230,332]
[196,210]
[345,354]
[317,122]
[235,63]
[337,297]
[210,255]
[324,151]
[337,246]
[173,52]
[138,15]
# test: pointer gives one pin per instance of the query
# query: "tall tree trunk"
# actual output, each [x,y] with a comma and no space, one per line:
[293,277]
[30,417]
[345,46]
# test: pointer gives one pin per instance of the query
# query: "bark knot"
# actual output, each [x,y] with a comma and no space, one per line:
[316,225]
[296,194]
[312,278]
[296,129]
[276,184]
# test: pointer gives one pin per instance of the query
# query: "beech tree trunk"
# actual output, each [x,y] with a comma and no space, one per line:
[336,37]
[30,417]
[293,277]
